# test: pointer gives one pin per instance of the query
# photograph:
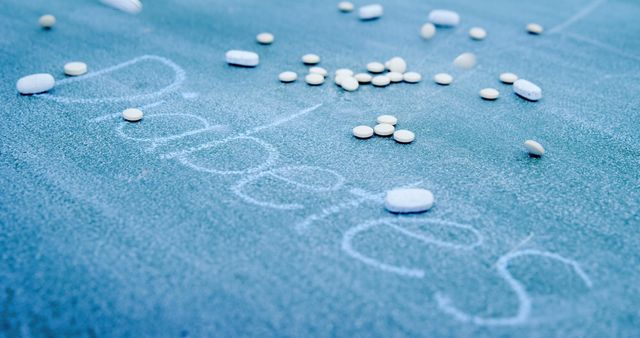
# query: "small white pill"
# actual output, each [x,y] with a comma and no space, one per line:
[314,79]
[380,81]
[265,38]
[242,58]
[534,28]
[387,119]
[47,21]
[443,79]
[428,31]
[35,83]
[375,67]
[412,77]
[132,114]
[345,6]
[397,64]
[465,61]
[75,68]
[477,33]
[362,131]
[443,17]
[527,90]
[310,59]
[349,83]
[338,79]
[408,200]
[288,76]
[534,148]
[404,136]
[344,71]
[363,78]
[127,6]
[318,70]
[508,78]
[383,129]
[489,93]
[395,77]
[370,12]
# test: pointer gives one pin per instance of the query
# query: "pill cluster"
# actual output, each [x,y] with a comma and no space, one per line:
[386,127]
[366,12]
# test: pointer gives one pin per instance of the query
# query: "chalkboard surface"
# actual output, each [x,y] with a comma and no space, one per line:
[242,206]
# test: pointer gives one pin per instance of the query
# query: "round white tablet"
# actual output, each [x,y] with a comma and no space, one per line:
[344,71]
[443,79]
[132,114]
[407,200]
[383,129]
[534,148]
[363,77]
[477,33]
[412,77]
[375,67]
[349,83]
[395,77]
[362,131]
[314,79]
[380,81]
[318,70]
[310,59]
[428,31]
[265,38]
[404,136]
[288,76]
[345,6]
[508,78]
[534,28]
[75,68]
[387,119]
[397,64]
[47,21]
[489,93]
[465,61]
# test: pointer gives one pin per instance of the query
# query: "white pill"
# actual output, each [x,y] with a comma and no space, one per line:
[128,6]
[310,59]
[47,21]
[380,81]
[408,200]
[489,93]
[349,83]
[345,6]
[465,61]
[338,79]
[387,119]
[265,38]
[527,89]
[428,31]
[508,78]
[288,76]
[397,64]
[344,71]
[404,136]
[534,148]
[383,129]
[314,79]
[362,131]
[534,28]
[395,77]
[35,83]
[363,77]
[318,70]
[443,79]
[477,33]
[242,58]
[370,12]
[412,77]
[75,68]
[443,17]
[375,67]
[132,114]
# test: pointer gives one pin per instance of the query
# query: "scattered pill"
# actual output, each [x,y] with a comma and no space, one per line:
[477,33]
[397,64]
[534,28]
[75,68]
[338,79]
[387,119]
[412,77]
[395,77]
[508,78]
[527,90]
[345,6]
[375,67]
[265,38]
[47,21]
[318,70]
[128,6]
[370,12]
[344,71]
[534,148]
[465,61]
[443,79]
[132,114]
[408,200]
[380,81]
[428,31]
[242,58]
[489,93]
[35,83]
[383,129]
[288,76]
[362,131]
[310,59]
[349,83]
[404,136]
[443,17]
[314,79]
[363,77]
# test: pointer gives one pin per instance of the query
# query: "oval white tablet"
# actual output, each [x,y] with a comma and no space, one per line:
[127,6]
[375,67]
[387,119]
[380,81]
[404,136]
[132,114]
[47,21]
[35,83]
[349,83]
[465,61]
[344,71]
[395,77]
[338,79]
[370,12]
[75,68]
[288,76]
[534,28]
[508,78]
[527,90]
[318,70]
[489,93]
[383,129]
[242,58]
[443,79]
[443,17]
[310,59]
[408,200]
[534,148]
[363,77]
[412,77]
[477,33]
[362,132]
[345,6]
[314,79]
[397,64]
[265,38]
[428,31]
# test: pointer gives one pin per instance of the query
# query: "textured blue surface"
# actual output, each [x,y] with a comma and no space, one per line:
[241,206]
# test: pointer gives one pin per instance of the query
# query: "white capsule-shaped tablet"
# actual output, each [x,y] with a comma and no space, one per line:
[75,68]
[443,17]
[489,93]
[533,148]
[408,200]
[395,77]
[380,81]
[508,78]
[132,114]
[384,129]
[288,76]
[265,38]
[47,21]
[534,28]
[397,64]
[387,119]
[310,59]
[465,61]
[404,136]
[527,90]
[349,83]
[477,33]
[344,71]
[242,58]
[318,70]
[443,79]
[314,79]
[345,6]
[363,78]
[35,83]
[375,67]
[428,31]
[370,12]
[362,132]
[127,6]
[412,77]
